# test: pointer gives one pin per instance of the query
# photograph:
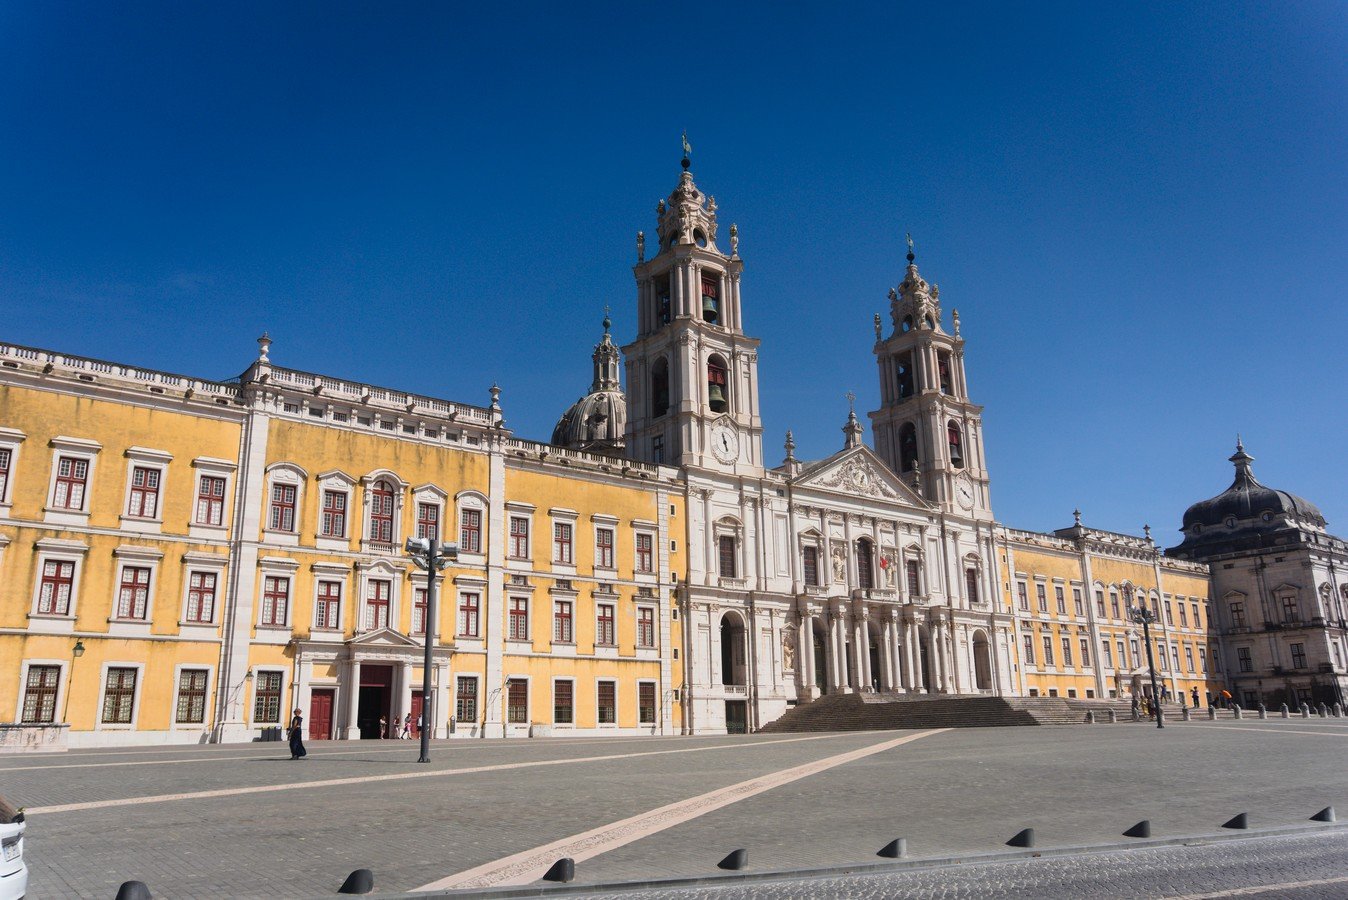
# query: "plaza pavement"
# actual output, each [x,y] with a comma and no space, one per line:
[245,821]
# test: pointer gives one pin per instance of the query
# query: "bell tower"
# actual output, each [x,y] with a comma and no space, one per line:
[926,428]
[692,373]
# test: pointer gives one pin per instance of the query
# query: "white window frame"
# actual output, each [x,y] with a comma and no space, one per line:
[614,723]
[434,496]
[729,526]
[62,686]
[649,530]
[611,601]
[380,570]
[57,550]
[208,466]
[527,640]
[518,727]
[293,475]
[367,508]
[75,448]
[603,522]
[126,557]
[517,510]
[654,647]
[418,582]
[342,483]
[468,584]
[99,724]
[561,516]
[216,564]
[11,439]
[329,572]
[207,719]
[477,699]
[654,724]
[154,460]
[275,567]
[475,501]
[552,711]
[284,706]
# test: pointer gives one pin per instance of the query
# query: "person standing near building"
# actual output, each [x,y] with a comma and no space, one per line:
[1194,691]
[296,735]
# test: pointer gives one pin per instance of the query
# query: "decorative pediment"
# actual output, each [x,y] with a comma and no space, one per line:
[859,472]
[384,637]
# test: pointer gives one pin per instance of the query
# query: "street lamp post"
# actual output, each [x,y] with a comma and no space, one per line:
[1145,617]
[430,556]
[75,653]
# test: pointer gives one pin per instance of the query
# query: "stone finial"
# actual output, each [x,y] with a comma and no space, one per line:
[687,151]
[641,246]
[1146,533]
[264,346]
[495,391]
[790,445]
[878,335]
[734,239]
[1076,518]
[909,239]
[956,316]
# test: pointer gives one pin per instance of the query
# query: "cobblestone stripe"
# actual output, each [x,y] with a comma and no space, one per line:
[401,776]
[529,865]
[1261,889]
[1256,730]
[169,762]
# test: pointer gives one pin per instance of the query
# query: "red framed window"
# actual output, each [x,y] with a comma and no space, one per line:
[72,477]
[912,571]
[119,696]
[971,584]
[607,701]
[645,553]
[58,580]
[328,605]
[519,619]
[428,521]
[418,611]
[517,701]
[275,600]
[39,694]
[465,699]
[282,515]
[332,523]
[210,500]
[726,550]
[603,548]
[645,626]
[519,537]
[200,598]
[563,702]
[646,703]
[144,502]
[378,599]
[562,631]
[381,512]
[604,633]
[6,461]
[468,615]
[1100,604]
[809,557]
[191,697]
[561,543]
[267,698]
[133,593]
[470,531]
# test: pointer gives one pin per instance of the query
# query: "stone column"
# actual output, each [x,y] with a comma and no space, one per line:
[353,700]
[861,652]
[886,655]
[913,680]
[840,649]
[934,656]
[805,657]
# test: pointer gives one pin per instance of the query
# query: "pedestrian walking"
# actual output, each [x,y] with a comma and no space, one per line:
[383,727]
[407,726]
[296,736]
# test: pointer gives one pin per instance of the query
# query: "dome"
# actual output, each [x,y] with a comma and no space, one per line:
[1247,499]
[597,421]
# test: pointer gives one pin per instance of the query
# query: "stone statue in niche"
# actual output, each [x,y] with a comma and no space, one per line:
[839,564]
[789,649]
[891,569]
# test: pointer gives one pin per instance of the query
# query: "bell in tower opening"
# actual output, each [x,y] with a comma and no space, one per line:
[718,399]
[711,311]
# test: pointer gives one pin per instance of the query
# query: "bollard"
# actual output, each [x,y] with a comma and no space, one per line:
[1212,713]
[1090,717]
[1184,713]
[1239,821]
[1305,710]
[1141,829]
[360,881]
[1023,838]
[1324,815]
[738,859]
[1324,713]
[1338,710]
[1236,710]
[895,849]
[562,870]
[1284,711]
[133,890]
[1263,711]
[1113,717]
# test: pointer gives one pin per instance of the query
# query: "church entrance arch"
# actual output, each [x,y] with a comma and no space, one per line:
[982,662]
[820,658]
[732,650]
[925,659]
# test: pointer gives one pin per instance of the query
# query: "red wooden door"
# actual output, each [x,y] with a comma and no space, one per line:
[320,715]
[416,713]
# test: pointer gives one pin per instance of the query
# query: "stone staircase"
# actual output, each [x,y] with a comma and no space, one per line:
[883,712]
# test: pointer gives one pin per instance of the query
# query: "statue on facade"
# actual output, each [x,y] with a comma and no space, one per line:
[789,649]
[839,564]
[891,569]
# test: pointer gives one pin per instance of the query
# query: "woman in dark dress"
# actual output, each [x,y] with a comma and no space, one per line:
[296,735]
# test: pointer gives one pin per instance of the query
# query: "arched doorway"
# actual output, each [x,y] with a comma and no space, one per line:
[878,678]
[924,660]
[732,650]
[820,660]
[982,662]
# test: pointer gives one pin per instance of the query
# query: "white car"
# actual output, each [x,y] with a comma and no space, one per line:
[13,872]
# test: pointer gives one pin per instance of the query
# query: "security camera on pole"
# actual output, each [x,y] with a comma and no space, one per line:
[1145,617]
[430,556]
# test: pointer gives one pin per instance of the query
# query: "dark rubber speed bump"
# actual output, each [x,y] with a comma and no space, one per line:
[895,849]
[738,859]
[1141,829]
[360,881]
[563,870]
[1324,815]
[1023,838]
[1240,821]
[133,890]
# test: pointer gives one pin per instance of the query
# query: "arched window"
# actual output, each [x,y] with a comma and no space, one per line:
[903,370]
[907,325]
[711,305]
[718,389]
[381,511]
[956,442]
[865,564]
[659,388]
[971,584]
[907,447]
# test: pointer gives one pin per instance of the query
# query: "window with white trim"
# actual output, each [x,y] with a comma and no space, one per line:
[275,601]
[41,686]
[332,523]
[519,618]
[419,599]
[72,481]
[646,703]
[56,586]
[282,512]
[143,502]
[561,543]
[378,602]
[210,500]
[465,698]
[381,511]
[607,702]
[328,605]
[604,633]
[200,598]
[119,696]
[563,702]
[519,537]
[517,701]
[6,465]
[1028,645]
[470,531]
[133,593]
[646,626]
[603,548]
[1048,650]
[191,709]
[469,611]
[562,631]
[428,521]
[267,698]
[645,547]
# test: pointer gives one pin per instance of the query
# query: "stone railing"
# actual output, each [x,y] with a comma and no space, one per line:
[97,371]
[369,395]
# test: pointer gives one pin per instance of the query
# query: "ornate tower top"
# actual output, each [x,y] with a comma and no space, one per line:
[914,303]
[688,216]
[605,361]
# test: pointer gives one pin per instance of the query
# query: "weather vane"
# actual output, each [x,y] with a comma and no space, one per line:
[687,147]
[851,401]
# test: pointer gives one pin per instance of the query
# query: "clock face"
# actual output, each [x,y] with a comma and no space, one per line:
[725,442]
[964,493]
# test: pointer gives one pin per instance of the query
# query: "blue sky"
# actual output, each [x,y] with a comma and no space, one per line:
[1140,210]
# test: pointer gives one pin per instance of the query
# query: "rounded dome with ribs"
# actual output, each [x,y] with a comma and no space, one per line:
[597,421]
[1247,499]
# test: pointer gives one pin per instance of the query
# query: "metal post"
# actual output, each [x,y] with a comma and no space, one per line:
[1145,616]
[432,558]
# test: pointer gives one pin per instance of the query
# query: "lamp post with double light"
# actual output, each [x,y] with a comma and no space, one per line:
[430,556]
[1145,617]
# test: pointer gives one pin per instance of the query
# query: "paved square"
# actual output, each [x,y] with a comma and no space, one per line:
[245,821]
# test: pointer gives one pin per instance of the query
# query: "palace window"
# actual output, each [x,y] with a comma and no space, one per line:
[645,553]
[1067,652]
[607,702]
[1135,647]
[1078,607]
[1237,614]
[943,370]
[810,565]
[200,598]
[58,579]
[468,615]
[328,605]
[563,703]
[1161,659]
[865,565]
[144,500]
[646,703]
[1048,650]
[1203,660]
[1114,604]
[6,462]
[726,546]
[604,632]
[1169,618]
[210,500]
[333,523]
[282,516]
[1189,658]
[191,697]
[275,600]
[561,543]
[562,631]
[1029,649]
[1042,596]
[1183,614]
[955,440]
[1194,607]
[603,548]
[381,512]
[470,531]
[519,619]
[971,584]
[465,699]
[519,537]
[517,701]
[1022,593]
[718,391]
[1174,658]
[645,626]
[39,695]
[1105,659]
[658,449]
[133,593]
[119,696]
[418,611]
[428,521]
[267,698]
[1062,601]
[1123,654]
[1298,655]
[1100,603]
[912,569]
[1289,608]
[1085,652]
[72,476]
